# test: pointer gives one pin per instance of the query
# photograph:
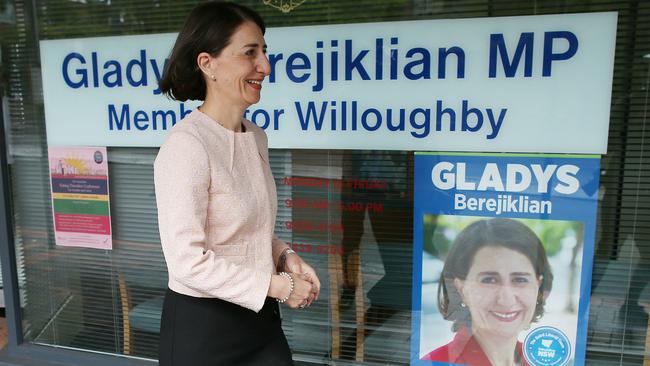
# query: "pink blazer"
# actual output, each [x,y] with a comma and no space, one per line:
[217,204]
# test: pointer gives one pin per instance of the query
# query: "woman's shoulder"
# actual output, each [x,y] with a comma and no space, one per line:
[189,128]
[190,124]
[184,139]
[463,348]
[440,354]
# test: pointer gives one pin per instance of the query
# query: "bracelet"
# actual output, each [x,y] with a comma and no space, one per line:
[287,275]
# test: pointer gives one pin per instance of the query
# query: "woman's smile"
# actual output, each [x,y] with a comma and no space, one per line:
[255,84]
[506,316]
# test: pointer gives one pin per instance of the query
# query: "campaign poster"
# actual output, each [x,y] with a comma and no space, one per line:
[80,199]
[502,258]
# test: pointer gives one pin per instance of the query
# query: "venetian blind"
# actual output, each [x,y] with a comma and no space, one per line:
[349,213]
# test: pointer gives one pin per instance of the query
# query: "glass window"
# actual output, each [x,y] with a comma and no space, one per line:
[349,213]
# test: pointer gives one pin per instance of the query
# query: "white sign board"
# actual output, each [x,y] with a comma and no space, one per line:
[513,84]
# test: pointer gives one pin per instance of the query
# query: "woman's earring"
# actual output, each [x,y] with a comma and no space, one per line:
[463,305]
[214,78]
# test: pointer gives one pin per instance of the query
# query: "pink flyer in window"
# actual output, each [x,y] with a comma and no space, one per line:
[80,199]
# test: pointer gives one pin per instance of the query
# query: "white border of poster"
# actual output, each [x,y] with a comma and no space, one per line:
[523,84]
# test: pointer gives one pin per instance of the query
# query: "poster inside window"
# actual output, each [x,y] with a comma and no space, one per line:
[503,257]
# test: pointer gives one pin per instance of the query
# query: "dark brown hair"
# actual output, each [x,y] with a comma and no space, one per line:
[506,233]
[208,28]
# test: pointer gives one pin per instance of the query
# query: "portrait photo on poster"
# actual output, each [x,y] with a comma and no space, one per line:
[489,283]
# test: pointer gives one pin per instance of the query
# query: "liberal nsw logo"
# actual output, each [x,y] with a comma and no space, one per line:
[547,346]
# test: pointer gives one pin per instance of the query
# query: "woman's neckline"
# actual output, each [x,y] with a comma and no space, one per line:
[219,126]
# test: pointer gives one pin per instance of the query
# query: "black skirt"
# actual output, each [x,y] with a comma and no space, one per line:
[212,332]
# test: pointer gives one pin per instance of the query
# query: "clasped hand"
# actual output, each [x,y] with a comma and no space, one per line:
[296,265]
[304,291]
[303,286]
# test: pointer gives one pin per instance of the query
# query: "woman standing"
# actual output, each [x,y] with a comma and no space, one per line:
[217,203]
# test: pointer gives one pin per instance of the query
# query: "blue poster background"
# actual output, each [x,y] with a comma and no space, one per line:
[570,193]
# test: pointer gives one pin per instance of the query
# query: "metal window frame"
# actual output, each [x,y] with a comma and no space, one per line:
[18,352]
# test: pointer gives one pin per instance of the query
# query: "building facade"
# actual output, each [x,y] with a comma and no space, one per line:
[350,213]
